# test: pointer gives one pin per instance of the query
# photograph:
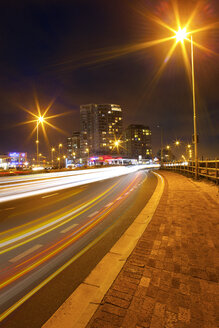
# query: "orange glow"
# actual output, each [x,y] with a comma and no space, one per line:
[181,31]
[42,119]
[181,35]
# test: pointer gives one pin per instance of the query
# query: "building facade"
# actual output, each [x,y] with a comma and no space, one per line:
[101,126]
[73,146]
[138,141]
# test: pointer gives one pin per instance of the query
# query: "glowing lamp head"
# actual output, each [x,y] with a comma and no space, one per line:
[181,34]
[177,143]
[40,119]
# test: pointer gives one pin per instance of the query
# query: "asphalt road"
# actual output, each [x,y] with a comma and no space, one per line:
[50,242]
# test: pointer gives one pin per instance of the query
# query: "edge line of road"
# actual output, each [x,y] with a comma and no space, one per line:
[79,308]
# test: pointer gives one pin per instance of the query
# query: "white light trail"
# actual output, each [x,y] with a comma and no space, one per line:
[45,183]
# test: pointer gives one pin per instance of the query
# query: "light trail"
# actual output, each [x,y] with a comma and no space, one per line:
[64,181]
[67,240]
[50,225]
[13,278]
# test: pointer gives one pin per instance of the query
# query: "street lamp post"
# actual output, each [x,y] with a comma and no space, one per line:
[180,36]
[194,112]
[37,142]
[60,146]
[117,145]
[161,143]
[64,158]
[52,151]
[39,121]
[88,154]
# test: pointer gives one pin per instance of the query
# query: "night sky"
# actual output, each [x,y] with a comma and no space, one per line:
[69,51]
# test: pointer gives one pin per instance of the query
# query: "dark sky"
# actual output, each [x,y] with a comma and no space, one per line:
[69,51]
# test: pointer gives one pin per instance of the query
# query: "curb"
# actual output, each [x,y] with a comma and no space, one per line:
[79,308]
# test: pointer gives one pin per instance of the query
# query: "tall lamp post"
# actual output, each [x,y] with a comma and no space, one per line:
[194,112]
[88,155]
[40,120]
[117,145]
[161,143]
[181,35]
[60,146]
[52,151]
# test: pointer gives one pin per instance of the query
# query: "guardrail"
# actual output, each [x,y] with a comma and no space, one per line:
[208,169]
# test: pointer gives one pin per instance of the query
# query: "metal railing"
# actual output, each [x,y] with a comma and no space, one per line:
[208,169]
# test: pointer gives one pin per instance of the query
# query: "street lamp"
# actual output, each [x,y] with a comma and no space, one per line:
[194,112]
[88,154]
[188,147]
[52,151]
[60,146]
[64,157]
[40,120]
[180,36]
[161,143]
[117,144]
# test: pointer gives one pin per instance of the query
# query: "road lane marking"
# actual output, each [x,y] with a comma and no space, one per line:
[9,208]
[12,308]
[108,205]
[50,195]
[69,228]
[27,252]
[94,213]
[85,207]
[21,301]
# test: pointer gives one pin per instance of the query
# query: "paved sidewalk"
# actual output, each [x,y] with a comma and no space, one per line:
[171,277]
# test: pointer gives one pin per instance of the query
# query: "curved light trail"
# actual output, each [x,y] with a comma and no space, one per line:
[60,181]
[34,251]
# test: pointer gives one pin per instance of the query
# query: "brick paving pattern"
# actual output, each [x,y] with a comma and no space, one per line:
[171,277]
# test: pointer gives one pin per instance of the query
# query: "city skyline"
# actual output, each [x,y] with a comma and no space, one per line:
[58,50]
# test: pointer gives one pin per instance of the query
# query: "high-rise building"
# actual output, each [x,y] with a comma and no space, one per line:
[138,141]
[73,146]
[101,126]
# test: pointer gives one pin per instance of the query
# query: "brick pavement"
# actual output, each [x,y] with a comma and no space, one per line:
[171,277]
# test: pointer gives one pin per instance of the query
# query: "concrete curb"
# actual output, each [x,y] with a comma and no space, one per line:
[78,309]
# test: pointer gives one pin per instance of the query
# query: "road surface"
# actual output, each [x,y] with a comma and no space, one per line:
[49,242]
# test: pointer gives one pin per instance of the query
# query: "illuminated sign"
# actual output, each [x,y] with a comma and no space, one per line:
[17,154]
[14,154]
